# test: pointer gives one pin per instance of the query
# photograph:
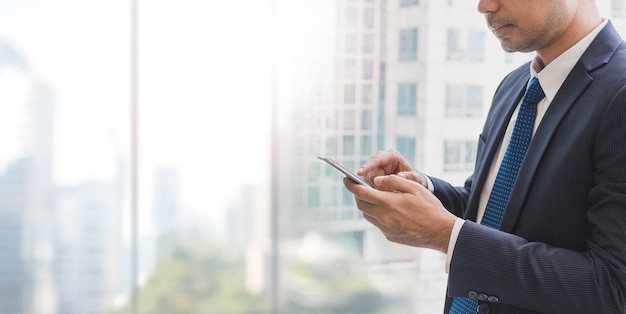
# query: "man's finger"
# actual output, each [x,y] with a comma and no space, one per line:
[363,193]
[414,176]
[375,162]
[409,175]
[396,184]
[369,176]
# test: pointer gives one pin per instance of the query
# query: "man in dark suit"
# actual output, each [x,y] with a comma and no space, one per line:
[557,244]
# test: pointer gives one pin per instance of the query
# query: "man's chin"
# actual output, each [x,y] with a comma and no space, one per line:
[508,46]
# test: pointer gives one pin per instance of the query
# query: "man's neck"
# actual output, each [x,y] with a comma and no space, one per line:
[581,25]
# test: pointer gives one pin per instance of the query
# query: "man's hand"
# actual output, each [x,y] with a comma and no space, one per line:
[389,162]
[405,212]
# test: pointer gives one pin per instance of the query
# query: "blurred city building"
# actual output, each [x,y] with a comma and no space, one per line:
[26,192]
[61,247]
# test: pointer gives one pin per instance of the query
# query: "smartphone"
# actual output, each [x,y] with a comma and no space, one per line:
[345,171]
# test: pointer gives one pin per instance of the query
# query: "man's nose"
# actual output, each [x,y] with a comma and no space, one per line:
[488,6]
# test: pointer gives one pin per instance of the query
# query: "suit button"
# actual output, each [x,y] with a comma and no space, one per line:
[472,294]
[493,299]
[483,308]
[483,297]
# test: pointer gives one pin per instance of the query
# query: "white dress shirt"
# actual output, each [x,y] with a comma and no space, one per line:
[551,77]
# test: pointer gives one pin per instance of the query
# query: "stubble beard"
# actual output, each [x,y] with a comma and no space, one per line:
[536,37]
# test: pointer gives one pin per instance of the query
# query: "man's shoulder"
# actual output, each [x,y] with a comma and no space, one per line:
[607,47]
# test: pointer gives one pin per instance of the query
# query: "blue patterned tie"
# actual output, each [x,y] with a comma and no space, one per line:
[507,173]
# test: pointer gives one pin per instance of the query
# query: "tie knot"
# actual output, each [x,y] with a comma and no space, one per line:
[534,92]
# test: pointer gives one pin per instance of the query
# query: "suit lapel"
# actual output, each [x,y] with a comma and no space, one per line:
[578,80]
[504,103]
[573,86]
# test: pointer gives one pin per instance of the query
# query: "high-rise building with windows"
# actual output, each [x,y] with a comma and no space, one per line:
[333,107]
[26,278]
[60,247]
[87,247]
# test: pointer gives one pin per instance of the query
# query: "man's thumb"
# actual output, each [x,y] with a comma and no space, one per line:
[394,183]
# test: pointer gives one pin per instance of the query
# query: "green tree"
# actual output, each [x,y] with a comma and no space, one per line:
[197,279]
[201,279]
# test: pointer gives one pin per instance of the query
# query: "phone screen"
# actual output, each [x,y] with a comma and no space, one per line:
[345,171]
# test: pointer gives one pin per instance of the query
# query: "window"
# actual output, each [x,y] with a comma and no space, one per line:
[332,145]
[349,94]
[331,120]
[366,120]
[329,195]
[476,46]
[367,147]
[619,8]
[459,155]
[466,45]
[462,4]
[313,197]
[347,198]
[408,44]
[367,94]
[348,145]
[368,70]
[106,151]
[351,17]
[368,43]
[350,68]
[406,3]
[406,147]
[350,43]
[407,99]
[349,120]
[455,49]
[64,164]
[368,18]
[464,100]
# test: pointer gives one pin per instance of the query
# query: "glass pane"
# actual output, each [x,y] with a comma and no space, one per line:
[350,43]
[349,94]
[350,17]
[408,44]
[350,68]
[454,49]
[368,43]
[348,145]
[475,46]
[204,81]
[368,70]
[368,18]
[349,120]
[367,97]
[407,99]
[64,161]
[406,146]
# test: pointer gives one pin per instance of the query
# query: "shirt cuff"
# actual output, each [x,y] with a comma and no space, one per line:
[431,187]
[456,229]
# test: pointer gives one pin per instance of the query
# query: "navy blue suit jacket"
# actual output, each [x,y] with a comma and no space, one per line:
[561,247]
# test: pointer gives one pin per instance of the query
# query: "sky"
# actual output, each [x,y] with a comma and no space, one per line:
[204,91]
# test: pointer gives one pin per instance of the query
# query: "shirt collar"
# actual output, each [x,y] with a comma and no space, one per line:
[552,76]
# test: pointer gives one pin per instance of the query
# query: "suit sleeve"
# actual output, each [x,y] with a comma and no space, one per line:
[453,198]
[548,279]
